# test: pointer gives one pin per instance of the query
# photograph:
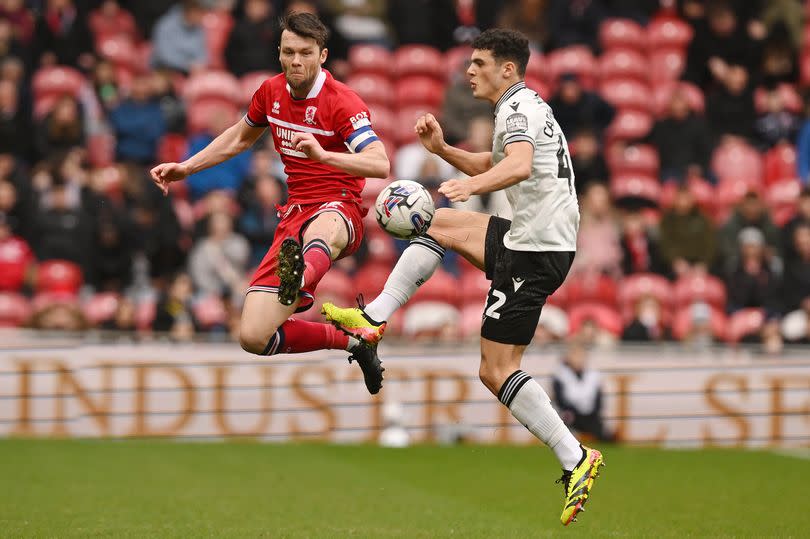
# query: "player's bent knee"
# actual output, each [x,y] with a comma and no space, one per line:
[254,339]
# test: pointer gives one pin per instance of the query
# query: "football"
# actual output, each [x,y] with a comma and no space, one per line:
[404,209]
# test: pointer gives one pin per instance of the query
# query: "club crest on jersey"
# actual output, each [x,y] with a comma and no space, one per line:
[276,107]
[309,115]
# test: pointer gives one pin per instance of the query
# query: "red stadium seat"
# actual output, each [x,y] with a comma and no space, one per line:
[782,198]
[474,287]
[627,94]
[217,25]
[56,81]
[384,122]
[662,95]
[618,33]
[15,258]
[372,189]
[804,69]
[419,91]
[120,50]
[457,58]
[338,286]
[441,287]
[737,161]
[537,67]
[250,82]
[58,276]
[542,89]
[604,317]
[112,20]
[666,65]
[172,149]
[560,296]
[697,287]
[702,190]
[145,314]
[668,33]
[634,159]
[592,288]
[418,60]
[729,193]
[780,163]
[210,311]
[200,113]
[101,150]
[101,307]
[406,120]
[634,287]
[381,246]
[370,59]
[743,323]
[623,64]
[45,299]
[682,323]
[791,99]
[629,125]
[470,320]
[14,310]
[635,186]
[370,279]
[374,89]
[575,59]
[213,85]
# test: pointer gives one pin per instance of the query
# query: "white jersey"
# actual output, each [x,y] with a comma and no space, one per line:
[545,213]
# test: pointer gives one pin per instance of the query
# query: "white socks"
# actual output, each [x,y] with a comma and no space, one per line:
[414,267]
[531,406]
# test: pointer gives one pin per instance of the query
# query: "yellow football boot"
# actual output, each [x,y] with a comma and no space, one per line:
[353,321]
[578,483]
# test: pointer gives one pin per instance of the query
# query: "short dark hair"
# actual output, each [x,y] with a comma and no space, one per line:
[306,25]
[505,45]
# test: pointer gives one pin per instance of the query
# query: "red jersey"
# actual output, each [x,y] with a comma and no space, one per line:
[338,119]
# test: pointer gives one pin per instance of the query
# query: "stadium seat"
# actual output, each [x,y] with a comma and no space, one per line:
[629,125]
[250,82]
[200,112]
[575,59]
[791,99]
[702,190]
[182,209]
[338,285]
[213,85]
[431,320]
[782,198]
[424,60]
[666,65]
[623,64]
[619,33]
[743,323]
[603,316]
[441,287]
[537,67]
[14,310]
[144,56]
[669,33]
[474,287]
[101,150]
[593,288]
[371,190]
[112,20]
[370,279]
[145,312]
[15,258]
[780,163]
[384,122]
[419,91]
[374,89]
[634,159]
[456,58]
[627,94]
[804,69]
[470,320]
[217,24]
[729,192]
[406,120]
[737,161]
[100,307]
[634,287]
[560,296]
[172,148]
[662,95]
[56,81]
[370,59]
[542,89]
[697,287]
[58,276]
[43,300]
[210,312]
[682,323]
[635,186]
[120,50]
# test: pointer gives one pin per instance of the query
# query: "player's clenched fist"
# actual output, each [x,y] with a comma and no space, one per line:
[166,173]
[456,190]
[430,133]
[307,143]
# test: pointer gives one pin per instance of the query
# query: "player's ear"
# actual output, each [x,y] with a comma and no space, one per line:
[509,69]
[324,54]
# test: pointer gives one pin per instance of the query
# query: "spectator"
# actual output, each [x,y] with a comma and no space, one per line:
[172,107]
[15,123]
[578,394]
[179,39]
[797,270]
[336,43]
[124,318]
[639,10]
[254,40]
[173,314]
[699,334]
[460,107]
[552,326]
[803,147]
[259,219]
[647,323]
[59,316]
[147,12]
[9,46]
[750,212]
[61,130]
[586,160]
[21,19]
[428,22]
[112,263]
[683,141]
[796,325]
[598,243]
[106,85]
[576,108]
[779,61]
[228,175]
[138,124]
[575,23]
[802,217]
[527,17]
[640,251]
[361,21]
[776,124]
[730,107]
[218,262]
[19,211]
[62,36]
[753,282]
[783,18]
[15,256]
[687,236]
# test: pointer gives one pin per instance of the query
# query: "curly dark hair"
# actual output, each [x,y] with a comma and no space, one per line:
[505,45]
[306,25]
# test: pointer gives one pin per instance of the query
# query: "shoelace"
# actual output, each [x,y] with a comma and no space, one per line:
[565,480]
[361,302]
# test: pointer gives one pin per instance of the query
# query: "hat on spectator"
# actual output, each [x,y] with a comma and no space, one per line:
[751,236]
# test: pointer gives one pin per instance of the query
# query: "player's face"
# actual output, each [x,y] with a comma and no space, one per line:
[484,74]
[300,60]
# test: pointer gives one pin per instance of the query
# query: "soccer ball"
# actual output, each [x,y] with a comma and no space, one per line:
[404,209]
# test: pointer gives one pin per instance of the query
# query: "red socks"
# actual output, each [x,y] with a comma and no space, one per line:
[297,336]
[317,261]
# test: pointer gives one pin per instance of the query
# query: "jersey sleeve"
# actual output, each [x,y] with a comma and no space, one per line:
[522,123]
[257,110]
[353,122]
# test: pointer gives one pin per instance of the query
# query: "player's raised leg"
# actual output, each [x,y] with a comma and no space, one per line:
[461,231]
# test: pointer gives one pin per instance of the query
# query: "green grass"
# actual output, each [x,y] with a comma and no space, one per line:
[167,489]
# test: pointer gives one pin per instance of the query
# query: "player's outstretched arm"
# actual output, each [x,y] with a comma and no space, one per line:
[234,140]
[432,138]
[370,162]
[512,169]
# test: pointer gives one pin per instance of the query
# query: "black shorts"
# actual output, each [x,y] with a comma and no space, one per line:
[521,282]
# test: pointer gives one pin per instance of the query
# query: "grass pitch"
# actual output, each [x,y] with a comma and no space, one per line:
[168,489]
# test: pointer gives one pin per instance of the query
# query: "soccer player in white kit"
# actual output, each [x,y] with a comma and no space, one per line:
[526,259]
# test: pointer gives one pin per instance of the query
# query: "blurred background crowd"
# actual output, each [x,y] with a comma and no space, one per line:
[687,122]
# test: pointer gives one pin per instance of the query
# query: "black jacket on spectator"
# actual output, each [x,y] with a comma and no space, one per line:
[642,259]
[429,22]
[753,290]
[730,114]
[73,40]
[147,12]
[796,283]
[737,49]
[15,134]
[681,143]
[253,47]
[591,111]
[575,23]
[590,171]
[65,234]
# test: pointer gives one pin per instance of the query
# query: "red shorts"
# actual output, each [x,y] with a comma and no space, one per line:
[294,220]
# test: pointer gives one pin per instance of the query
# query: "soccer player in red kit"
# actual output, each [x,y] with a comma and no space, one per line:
[322,130]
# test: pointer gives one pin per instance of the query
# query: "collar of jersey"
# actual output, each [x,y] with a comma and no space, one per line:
[512,90]
[316,88]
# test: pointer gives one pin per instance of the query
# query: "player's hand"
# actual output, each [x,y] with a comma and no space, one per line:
[166,173]
[456,190]
[307,143]
[430,133]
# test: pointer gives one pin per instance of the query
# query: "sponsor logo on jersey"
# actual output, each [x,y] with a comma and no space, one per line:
[359,120]
[517,123]
[309,115]
[276,107]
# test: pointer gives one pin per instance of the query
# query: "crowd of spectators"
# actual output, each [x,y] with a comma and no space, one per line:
[685,120]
